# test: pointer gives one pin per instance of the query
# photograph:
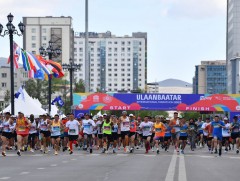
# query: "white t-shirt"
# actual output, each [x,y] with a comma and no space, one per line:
[99,128]
[88,125]
[204,125]
[146,128]
[73,127]
[125,124]
[226,131]
[33,128]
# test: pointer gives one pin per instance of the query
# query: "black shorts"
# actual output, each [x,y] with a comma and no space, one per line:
[100,136]
[209,138]
[73,137]
[167,138]
[124,133]
[114,136]
[183,138]
[55,137]
[204,138]
[131,134]
[8,135]
[108,137]
[234,135]
[140,135]
[145,137]
[46,133]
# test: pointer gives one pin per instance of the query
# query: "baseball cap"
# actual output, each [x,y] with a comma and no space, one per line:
[130,115]
[105,114]
[225,118]
[20,112]
[124,112]
[167,119]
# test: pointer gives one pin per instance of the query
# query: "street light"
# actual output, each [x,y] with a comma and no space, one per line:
[71,67]
[11,31]
[52,53]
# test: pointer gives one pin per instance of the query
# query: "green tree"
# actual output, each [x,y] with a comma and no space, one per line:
[79,86]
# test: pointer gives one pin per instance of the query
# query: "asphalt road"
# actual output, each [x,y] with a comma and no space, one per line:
[193,166]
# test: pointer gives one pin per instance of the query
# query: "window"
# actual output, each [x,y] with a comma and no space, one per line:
[123,84]
[122,74]
[128,64]
[109,84]
[4,84]
[109,65]
[92,64]
[34,52]
[115,84]
[115,42]
[123,43]
[129,43]
[115,75]
[33,38]
[115,70]
[109,74]
[122,69]
[80,60]
[33,45]
[109,42]
[115,54]
[140,49]
[92,60]
[81,49]
[115,64]
[33,30]
[44,30]
[109,70]
[128,70]
[123,79]
[129,49]
[4,75]
[123,49]
[44,38]
[140,43]
[92,75]
[110,49]
[109,54]
[128,74]
[128,80]
[122,64]
[92,80]
[115,49]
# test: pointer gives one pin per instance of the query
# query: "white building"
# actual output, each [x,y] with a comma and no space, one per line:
[233,45]
[116,63]
[40,30]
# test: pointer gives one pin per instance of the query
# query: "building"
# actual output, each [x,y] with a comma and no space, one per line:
[233,45]
[40,30]
[210,77]
[170,86]
[116,63]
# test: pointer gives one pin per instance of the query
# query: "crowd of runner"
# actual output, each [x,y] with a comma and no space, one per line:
[126,132]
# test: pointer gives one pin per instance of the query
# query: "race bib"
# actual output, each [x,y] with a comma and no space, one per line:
[132,126]
[107,128]
[72,131]
[21,128]
[126,124]
[158,129]
[6,128]
[56,128]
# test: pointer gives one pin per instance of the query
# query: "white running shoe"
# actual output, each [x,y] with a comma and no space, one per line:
[31,150]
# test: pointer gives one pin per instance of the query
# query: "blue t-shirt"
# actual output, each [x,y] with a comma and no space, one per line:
[217,129]
[183,130]
[168,131]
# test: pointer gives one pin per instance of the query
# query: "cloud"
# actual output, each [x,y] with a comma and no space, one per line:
[193,8]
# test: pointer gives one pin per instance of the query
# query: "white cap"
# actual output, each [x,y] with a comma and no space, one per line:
[105,114]
[130,115]
[225,118]
[167,119]
[101,116]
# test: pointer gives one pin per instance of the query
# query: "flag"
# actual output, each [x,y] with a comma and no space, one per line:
[16,55]
[59,101]
[20,93]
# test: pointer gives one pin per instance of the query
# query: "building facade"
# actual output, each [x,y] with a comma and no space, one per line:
[40,30]
[116,63]
[233,45]
[210,77]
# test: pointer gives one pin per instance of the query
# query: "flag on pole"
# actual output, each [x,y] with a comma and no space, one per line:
[20,93]
[59,101]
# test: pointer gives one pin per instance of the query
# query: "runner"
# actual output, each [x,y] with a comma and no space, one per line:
[183,134]
[235,132]
[32,138]
[175,125]
[147,128]
[125,130]
[226,134]
[132,134]
[205,133]
[87,126]
[217,134]
[55,126]
[6,132]
[192,133]
[45,133]
[73,127]
[107,134]
[159,128]
[65,133]
[22,129]
[139,133]
[199,124]
[167,135]
[115,128]
[99,132]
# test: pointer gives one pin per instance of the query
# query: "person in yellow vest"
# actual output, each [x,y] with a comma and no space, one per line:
[55,127]
[22,129]
[107,133]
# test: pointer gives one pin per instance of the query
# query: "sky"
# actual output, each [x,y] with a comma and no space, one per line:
[181,33]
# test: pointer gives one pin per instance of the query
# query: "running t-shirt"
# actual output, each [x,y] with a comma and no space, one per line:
[33,128]
[107,128]
[183,130]
[226,131]
[168,131]
[43,125]
[22,128]
[204,125]
[88,126]
[73,127]
[133,126]
[115,128]
[125,124]
[159,129]
[199,127]
[235,127]
[99,127]
[146,128]
[56,128]
[6,126]
[217,130]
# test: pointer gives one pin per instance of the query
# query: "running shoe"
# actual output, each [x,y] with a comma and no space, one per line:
[157,151]
[90,150]
[104,150]
[131,150]
[55,153]
[182,151]
[18,153]
[32,150]
[4,154]
[71,152]
[114,151]
[237,151]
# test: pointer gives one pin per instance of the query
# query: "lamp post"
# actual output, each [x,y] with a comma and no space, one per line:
[12,31]
[51,53]
[71,67]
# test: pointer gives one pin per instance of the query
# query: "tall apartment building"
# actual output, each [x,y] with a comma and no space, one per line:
[40,30]
[210,77]
[116,63]
[233,45]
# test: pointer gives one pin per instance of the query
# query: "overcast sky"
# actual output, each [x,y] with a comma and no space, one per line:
[181,33]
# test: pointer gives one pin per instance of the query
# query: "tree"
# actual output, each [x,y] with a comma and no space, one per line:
[79,86]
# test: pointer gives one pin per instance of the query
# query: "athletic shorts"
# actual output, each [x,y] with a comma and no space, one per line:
[22,135]
[65,134]
[145,137]
[234,135]
[204,138]
[158,138]
[175,135]
[8,135]
[87,136]
[100,136]
[114,136]
[108,136]
[140,135]
[218,137]
[167,138]
[124,133]
[209,138]
[183,138]
[224,139]
[55,137]
[132,133]
[73,137]
[46,133]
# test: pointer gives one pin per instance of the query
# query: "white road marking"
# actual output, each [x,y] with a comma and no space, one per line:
[64,161]
[24,173]
[206,156]
[122,154]
[73,159]
[40,168]
[53,165]
[182,176]
[171,168]
[149,155]
[234,157]
[5,178]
